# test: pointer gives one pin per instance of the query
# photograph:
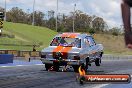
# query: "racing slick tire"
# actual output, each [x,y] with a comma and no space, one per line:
[48,66]
[81,80]
[97,61]
[56,66]
[87,63]
[75,67]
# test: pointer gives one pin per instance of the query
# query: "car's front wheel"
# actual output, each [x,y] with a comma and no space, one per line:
[56,66]
[48,66]
[75,67]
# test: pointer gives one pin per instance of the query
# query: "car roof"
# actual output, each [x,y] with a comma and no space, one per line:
[72,35]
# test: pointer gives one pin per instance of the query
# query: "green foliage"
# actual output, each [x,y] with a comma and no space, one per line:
[27,34]
[11,36]
[51,23]
[61,29]
[8,35]
[91,31]
[31,35]
[65,22]
[115,31]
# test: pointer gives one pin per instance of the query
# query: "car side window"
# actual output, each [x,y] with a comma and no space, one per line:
[90,40]
[87,43]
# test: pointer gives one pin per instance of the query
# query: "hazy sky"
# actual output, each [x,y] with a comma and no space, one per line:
[108,9]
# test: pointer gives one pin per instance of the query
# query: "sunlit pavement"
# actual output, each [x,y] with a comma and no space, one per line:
[22,63]
[24,74]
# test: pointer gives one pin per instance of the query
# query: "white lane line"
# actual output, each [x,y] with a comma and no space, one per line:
[39,64]
[3,66]
[103,85]
[20,65]
[100,86]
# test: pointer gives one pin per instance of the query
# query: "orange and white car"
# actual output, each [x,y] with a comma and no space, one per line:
[72,49]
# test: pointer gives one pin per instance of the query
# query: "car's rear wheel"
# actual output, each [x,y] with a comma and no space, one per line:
[97,61]
[75,67]
[81,80]
[87,63]
[56,66]
[48,66]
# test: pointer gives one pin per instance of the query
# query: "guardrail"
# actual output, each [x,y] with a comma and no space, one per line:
[116,57]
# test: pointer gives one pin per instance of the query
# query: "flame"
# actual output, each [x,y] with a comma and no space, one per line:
[81,71]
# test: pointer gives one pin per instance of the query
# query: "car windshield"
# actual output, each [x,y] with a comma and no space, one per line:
[64,41]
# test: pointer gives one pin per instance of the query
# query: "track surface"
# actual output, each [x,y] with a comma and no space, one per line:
[37,77]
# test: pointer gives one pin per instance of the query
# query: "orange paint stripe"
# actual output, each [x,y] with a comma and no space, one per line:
[64,35]
[70,35]
[65,52]
[59,48]
[73,35]
[66,49]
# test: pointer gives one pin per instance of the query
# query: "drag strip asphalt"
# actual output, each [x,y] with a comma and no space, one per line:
[35,76]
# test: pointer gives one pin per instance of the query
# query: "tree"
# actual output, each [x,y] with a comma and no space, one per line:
[115,31]
[16,15]
[51,14]
[51,23]
[39,18]
[98,24]
[82,20]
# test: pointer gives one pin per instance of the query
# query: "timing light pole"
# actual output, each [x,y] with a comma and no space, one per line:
[5,11]
[33,20]
[74,18]
[57,16]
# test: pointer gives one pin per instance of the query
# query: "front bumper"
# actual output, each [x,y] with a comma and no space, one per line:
[61,62]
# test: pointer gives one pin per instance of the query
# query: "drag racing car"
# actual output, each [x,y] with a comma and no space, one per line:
[73,49]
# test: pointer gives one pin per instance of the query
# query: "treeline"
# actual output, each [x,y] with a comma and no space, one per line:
[83,21]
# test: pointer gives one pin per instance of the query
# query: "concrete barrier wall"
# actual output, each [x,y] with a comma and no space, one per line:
[6,58]
[17,53]
[36,55]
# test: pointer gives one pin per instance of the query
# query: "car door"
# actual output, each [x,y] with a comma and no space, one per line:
[90,46]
